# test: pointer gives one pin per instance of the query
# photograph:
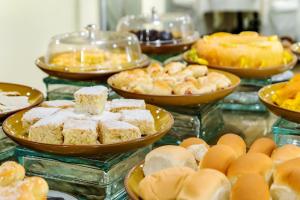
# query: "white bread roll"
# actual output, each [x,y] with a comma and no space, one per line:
[235,142]
[10,173]
[218,157]
[192,141]
[285,153]
[165,184]
[263,145]
[166,157]
[251,163]
[286,183]
[206,184]
[250,187]
[196,146]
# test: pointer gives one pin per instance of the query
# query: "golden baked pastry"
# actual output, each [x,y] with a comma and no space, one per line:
[244,50]
[14,186]
[174,78]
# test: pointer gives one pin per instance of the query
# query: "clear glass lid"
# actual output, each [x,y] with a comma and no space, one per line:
[92,49]
[171,28]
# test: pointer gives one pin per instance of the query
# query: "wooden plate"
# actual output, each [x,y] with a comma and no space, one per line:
[265,95]
[35,96]
[132,180]
[100,75]
[14,129]
[258,73]
[166,48]
[181,100]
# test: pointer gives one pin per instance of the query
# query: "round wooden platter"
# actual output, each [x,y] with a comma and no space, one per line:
[181,100]
[15,130]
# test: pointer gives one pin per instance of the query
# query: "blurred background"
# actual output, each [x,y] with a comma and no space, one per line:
[27,26]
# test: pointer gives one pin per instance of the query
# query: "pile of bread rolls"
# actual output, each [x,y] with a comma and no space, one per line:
[14,185]
[225,171]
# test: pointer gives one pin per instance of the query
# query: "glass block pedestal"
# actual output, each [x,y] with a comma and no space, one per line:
[203,121]
[245,98]
[286,132]
[7,146]
[86,178]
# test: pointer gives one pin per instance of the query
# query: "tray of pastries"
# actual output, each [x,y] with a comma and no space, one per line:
[225,171]
[283,99]
[248,54]
[175,83]
[89,126]
[14,97]
[15,186]
[91,54]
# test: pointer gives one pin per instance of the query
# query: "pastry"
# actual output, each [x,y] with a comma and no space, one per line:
[285,153]
[126,104]
[166,157]
[235,142]
[198,70]
[117,131]
[251,163]
[196,146]
[91,99]
[205,184]
[35,114]
[286,181]
[10,173]
[10,101]
[174,78]
[174,67]
[13,186]
[250,187]
[244,50]
[164,184]
[218,157]
[58,104]
[76,131]
[263,145]
[49,129]
[142,119]
[161,87]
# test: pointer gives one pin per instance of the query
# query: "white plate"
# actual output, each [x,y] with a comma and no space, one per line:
[63,195]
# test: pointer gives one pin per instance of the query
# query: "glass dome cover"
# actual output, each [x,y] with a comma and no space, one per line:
[94,50]
[157,30]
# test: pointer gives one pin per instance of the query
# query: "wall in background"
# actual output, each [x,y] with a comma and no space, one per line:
[26,27]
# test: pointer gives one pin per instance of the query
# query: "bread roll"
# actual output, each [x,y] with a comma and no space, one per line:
[286,183]
[218,157]
[11,172]
[165,184]
[250,187]
[263,145]
[251,163]
[284,153]
[36,186]
[235,142]
[192,141]
[196,146]
[206,184]
[166,157]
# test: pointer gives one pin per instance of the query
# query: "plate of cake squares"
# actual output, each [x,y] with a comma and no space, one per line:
[175,84]
[89,125]
[15,97]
